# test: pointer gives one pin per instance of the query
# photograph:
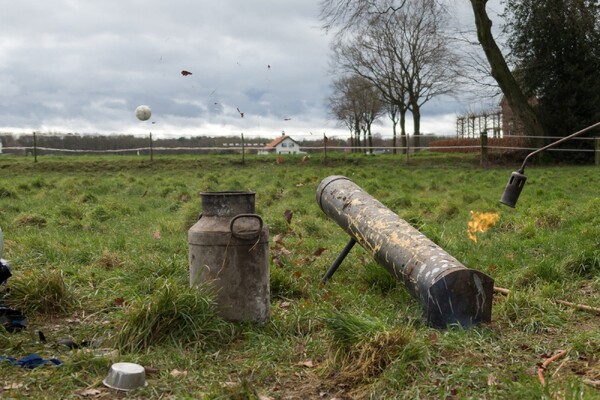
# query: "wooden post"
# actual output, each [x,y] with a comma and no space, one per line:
[151,151]
[34,147]
[243,150]
[324,148]
[484,148]
[598,151]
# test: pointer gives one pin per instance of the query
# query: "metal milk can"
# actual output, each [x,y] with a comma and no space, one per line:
[229,249]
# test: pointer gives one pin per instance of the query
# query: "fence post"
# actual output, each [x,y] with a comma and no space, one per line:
[243,150]
[324,148]
[598,151]
[34,147]
[151,152]
[484,148]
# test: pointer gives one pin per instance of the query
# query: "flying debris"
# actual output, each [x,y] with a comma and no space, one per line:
[287,119]
[269,66]
[241,113]
[185,73]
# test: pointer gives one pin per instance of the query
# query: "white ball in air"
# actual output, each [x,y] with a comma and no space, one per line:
[143,113]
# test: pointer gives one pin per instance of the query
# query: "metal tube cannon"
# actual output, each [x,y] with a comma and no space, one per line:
[449,292]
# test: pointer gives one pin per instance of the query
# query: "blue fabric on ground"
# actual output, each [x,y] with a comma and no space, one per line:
[31,361]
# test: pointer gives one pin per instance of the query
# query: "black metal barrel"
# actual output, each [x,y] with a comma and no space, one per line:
[449,292]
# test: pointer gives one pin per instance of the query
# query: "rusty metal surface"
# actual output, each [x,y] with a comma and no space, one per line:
[229,249]
[450,292]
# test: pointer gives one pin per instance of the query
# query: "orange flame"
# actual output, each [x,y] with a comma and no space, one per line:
[481,222]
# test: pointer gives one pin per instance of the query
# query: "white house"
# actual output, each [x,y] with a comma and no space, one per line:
[282,145]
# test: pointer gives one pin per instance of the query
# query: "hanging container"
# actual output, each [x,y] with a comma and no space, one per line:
[229,249]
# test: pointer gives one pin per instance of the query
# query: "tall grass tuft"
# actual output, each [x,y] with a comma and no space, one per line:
[40,291]
[365,345]
[174,314]
[585,264]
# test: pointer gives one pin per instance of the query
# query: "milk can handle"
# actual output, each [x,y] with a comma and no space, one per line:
[247,236]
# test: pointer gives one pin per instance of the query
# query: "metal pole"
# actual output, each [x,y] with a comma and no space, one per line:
[589,128]
[338,261]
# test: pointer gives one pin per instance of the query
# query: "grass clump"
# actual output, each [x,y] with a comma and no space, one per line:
[31,220]
[584,264]
[40,291]
[365,345]
[173,313]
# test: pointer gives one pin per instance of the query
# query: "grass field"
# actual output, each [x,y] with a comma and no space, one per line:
[99,253]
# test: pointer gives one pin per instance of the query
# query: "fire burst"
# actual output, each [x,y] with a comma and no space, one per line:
[481,222]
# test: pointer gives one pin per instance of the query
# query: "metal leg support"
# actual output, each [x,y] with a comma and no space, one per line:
[338,260]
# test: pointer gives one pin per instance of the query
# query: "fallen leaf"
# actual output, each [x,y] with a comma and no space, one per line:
[433,337]
[491,380]
[150,370]
[288,214]
[307,364]
[297,274]
[285,304]
[119,301]
[156,235]
[319,251]
[90,392]
[177,372]
[279,238]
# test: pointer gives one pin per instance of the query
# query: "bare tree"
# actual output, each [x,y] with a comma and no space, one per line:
[405,55]
[344,16]
[356,104]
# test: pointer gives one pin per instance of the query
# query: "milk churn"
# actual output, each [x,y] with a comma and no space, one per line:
[229,249]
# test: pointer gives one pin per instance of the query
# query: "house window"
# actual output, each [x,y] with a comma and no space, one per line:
[291,144]
[283,144]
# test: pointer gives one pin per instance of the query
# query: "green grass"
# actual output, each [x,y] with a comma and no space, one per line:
[99,253]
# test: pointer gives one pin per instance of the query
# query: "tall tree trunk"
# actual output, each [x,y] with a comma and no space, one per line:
[394,138]
[370,139]
[403,130]
[416,113]
[357,133]
[501,73]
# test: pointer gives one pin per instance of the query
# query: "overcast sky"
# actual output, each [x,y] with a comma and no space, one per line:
[84,66]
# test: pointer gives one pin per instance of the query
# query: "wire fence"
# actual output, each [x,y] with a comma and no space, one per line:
[35,146]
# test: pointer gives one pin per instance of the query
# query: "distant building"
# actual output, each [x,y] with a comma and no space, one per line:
[282,145]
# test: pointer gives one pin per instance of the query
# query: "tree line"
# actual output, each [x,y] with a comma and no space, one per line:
[390,57]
